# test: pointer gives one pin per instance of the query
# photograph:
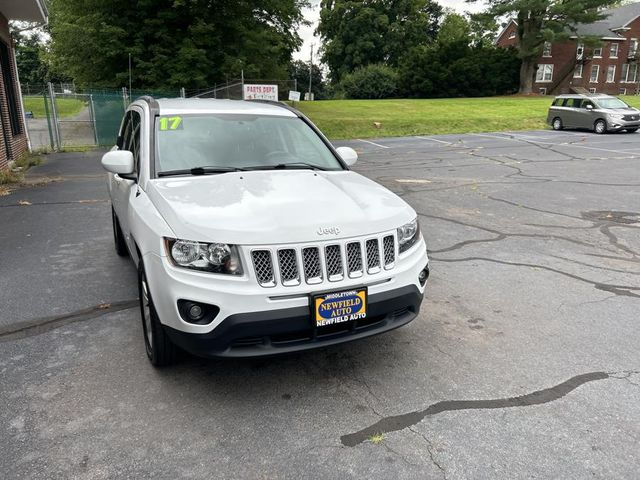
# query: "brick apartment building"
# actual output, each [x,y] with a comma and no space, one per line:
[13,140]
[570,66]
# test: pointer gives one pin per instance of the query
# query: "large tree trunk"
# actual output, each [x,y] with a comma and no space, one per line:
[527,72]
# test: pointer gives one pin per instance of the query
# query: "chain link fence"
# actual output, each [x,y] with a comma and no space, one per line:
[60,115]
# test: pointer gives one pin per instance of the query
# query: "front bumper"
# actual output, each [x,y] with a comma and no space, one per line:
[615,125]
[274,332]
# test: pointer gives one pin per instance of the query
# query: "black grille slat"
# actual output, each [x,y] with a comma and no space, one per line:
[263,267]
[288,266]
[333,259]
[373,255]
[354,259]
[389,250]
[311,265]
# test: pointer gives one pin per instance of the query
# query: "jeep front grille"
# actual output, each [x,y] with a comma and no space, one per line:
[389,251]
[331,262]
[373,256]
[263,267]
[288,267]
[312,266]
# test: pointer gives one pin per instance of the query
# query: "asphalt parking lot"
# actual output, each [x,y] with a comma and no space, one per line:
[524,361]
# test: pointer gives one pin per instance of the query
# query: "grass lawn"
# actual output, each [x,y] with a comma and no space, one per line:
[67,107]
[345,119]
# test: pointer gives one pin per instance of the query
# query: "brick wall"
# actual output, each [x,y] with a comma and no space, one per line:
[11,146]
[563,58]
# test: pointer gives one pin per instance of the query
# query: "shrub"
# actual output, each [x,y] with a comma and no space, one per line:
[372,81]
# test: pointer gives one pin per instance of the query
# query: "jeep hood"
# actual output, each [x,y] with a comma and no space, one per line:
[276,207]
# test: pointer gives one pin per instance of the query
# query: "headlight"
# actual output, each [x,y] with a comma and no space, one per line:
[408,235]
[206,257]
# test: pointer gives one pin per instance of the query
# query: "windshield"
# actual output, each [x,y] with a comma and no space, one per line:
[230,141]
[611,103]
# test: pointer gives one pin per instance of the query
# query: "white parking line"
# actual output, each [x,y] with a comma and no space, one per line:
[373,143]
[531,142]
[432,139]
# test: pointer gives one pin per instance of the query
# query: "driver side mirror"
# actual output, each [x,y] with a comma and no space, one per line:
[589,107]
[118,161]
[348,155]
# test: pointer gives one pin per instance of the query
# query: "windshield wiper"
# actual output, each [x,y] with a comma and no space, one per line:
[200,171]
[285,166]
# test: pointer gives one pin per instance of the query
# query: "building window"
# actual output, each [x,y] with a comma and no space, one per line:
[577,73]
[544,73]
[512,34]
[580,51]
[597,52]
[542,91]
[10,89]
[595,71]
[611,73]
[629,73]
[633,47]
[592,90]
[613,50]
[546,49]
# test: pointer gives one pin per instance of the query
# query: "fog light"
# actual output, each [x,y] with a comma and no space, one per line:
[195,312]
[424,274]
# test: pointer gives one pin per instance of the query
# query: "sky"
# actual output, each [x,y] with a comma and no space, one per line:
[312,14]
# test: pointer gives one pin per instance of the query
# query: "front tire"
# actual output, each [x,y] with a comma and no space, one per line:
[118,237]
[557,124]
[160,350]
[600,127]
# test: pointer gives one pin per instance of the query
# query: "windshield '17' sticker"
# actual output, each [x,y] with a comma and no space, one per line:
[170,123]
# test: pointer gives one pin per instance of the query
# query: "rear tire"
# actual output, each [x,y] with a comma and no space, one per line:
[160,350]
[118,237]
[556,124]
[600,127]
[631,130]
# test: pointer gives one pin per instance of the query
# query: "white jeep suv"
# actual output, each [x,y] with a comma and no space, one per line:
[251,234]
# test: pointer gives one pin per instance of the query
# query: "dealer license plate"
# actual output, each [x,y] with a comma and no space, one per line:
[339,307]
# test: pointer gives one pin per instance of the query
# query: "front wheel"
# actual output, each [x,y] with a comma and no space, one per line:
[600,126]
[160,350]
[631,130]
[557,124]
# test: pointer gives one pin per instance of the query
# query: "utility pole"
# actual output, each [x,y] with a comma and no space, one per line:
[310,71]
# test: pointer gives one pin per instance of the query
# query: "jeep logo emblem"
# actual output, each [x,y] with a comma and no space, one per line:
[328,231]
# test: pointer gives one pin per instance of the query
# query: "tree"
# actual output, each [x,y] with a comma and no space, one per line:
[544,20]
[173,43]
[359,33]
[299,71]
[372,81]
[454,28]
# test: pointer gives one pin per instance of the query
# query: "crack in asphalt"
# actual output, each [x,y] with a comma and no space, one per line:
[622,290]
[29,328]
[430,451]
[400,422]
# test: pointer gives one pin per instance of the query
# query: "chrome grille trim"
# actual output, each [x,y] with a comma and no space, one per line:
[389,249]
[288,265]
[312,265]
[333,261]
[263,267]
[372,250]
[354,259]
[323,263]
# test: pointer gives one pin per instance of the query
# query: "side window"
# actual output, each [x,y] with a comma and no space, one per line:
[587,102]
[134,139]
[125,132]
[565,102]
